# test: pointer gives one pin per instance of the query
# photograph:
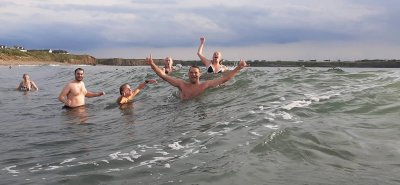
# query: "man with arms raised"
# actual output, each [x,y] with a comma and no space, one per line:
[194,87]
[74,93]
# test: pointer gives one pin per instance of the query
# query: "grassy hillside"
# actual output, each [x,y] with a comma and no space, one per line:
[17,55]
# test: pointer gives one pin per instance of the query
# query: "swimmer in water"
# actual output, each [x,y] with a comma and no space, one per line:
[194,87]
[214,65]
[27,84]
[73,94]
[168,68]
[127,94]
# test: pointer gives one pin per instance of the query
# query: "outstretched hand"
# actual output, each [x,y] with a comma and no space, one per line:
[242,64]
[149,60]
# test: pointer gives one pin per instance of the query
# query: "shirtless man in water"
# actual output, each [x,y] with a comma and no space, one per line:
[194,87]
[74,93]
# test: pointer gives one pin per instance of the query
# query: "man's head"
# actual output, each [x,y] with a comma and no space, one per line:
[79,74]
[194,74]
[125,89]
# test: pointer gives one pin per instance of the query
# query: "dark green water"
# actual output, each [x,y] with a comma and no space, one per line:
[266,126]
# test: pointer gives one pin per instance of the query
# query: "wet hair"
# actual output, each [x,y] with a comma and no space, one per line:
[121,88]
[24,75]
[194,66]
[79,69]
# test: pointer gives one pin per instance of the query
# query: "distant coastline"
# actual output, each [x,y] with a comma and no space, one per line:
[329,64]
[12,57]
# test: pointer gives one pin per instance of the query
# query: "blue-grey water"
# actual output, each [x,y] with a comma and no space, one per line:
[266,126]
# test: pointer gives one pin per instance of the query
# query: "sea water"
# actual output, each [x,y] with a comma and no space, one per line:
[265,126]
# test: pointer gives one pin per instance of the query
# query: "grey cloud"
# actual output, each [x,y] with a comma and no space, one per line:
[55,36]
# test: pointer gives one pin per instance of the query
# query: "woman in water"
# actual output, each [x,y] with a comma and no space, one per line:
[168,65]
[213,66]
[27,84]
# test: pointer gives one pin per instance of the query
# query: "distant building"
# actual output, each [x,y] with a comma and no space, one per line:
[3,47]
[18,47]
[41,50]
[58,51]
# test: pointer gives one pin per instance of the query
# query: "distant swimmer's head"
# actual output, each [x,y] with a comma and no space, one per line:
[168,61]
[79,74]
[25,76]
[194,73]
[217,56]
[125,89]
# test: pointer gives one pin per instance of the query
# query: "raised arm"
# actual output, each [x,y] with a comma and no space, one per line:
[173,81]
[203,59]
[141,86]
[122,99]
[227,77]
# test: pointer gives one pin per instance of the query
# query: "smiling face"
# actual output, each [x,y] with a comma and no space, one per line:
[194,74]
[79,75]
[125,90]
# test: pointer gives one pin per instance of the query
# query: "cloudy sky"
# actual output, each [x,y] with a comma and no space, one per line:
[240,29]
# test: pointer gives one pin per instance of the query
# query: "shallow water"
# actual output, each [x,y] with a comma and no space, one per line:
[266,126]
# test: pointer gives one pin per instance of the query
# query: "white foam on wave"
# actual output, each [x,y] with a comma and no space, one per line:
[309,100]
[113,170]
[134,154]
[222,123]
[149,162]
[190,148]
[256,134]
[27,65]
[273,127]
[269,119]
[9,170]
[176,146]
[127,156]
[280,114]
[68,160]
[294,104]
[52,168]
[162,152]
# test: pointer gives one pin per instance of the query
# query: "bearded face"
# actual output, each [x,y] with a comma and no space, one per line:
[79,75]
